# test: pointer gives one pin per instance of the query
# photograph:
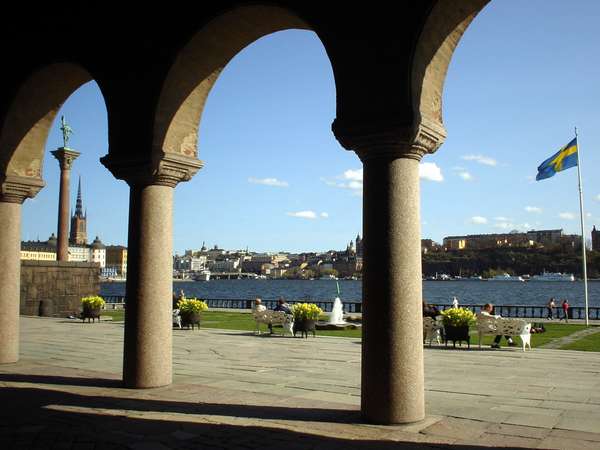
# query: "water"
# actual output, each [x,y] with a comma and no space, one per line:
[337,313]
[468,292]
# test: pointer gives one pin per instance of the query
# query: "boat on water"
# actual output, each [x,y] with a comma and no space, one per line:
[553,276]
[507,277]
[203,275]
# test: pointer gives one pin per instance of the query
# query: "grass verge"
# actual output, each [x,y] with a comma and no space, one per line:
[244,322]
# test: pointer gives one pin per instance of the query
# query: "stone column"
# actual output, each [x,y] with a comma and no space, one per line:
[65,159]
[392,346]
[147,356]
[14,191]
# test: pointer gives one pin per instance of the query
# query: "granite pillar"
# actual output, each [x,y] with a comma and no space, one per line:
[65,159]
[392,351]
[392,379]
[13,193]
[147,356]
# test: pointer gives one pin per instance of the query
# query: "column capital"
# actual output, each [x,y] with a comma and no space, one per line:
[65,157]
[165,169]
[391,140]
[15,189]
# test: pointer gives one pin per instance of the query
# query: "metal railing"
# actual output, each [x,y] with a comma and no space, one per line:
[352,306]
[533,312]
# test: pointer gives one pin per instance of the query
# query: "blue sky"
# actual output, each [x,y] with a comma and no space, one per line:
[275,178]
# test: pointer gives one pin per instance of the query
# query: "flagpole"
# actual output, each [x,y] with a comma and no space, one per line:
[585,284]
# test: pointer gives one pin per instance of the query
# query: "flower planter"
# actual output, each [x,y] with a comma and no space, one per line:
[90,313]
[304,326]
[190,318]
[457,334]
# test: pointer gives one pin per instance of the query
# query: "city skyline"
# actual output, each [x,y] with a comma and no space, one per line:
[276,179]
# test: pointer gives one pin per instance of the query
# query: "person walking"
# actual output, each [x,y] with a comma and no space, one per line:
[565,308]
[550,306]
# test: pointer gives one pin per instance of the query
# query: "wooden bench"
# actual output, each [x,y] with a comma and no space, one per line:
[504,327]
[269,317]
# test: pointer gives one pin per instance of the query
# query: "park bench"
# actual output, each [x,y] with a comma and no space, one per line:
[504,327]
[176,318]
[269,317]
[432,329]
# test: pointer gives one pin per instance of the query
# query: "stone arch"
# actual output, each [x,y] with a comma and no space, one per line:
[27,121]
[198,65]
[443,29]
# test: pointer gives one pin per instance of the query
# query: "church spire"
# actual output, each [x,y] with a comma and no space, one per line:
[79,204]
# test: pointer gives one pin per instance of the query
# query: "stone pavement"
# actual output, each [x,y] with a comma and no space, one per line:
[236,390]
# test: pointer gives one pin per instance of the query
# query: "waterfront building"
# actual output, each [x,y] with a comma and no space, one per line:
[46,251]
[116,256]
[98,252]
[224,265]
[545,237]
[39,250]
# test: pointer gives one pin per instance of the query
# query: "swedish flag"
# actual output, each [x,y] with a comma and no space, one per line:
[565,158]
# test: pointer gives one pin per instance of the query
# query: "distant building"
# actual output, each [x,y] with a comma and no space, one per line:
[545,237]
[487,241]
[39,250]
[116,257]
[46,251]
[595,239]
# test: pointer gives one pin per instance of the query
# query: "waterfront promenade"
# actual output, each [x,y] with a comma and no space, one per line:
[236,390]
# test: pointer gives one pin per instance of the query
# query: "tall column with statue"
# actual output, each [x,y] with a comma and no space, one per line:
[65,157]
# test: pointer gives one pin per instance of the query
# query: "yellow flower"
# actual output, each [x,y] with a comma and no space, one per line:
[458,317]
[191,305]
[92,302]
[306,311]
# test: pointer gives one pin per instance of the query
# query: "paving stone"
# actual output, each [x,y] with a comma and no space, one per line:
[518,430]
[236,390]
[456,428]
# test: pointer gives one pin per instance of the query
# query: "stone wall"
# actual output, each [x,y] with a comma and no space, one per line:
[53,288]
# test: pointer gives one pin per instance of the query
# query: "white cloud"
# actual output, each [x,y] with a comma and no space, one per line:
[303,214]
[350,179]
[533,209]
[430,171]
[481,159]
[465,176]
[268,182]
[567,215]
[355,175]
[598,197]
[502,219]
[324,215]
[588,214]
[478,220]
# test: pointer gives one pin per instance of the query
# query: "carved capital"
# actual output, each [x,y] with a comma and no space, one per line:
[16,189]
[166,169]
[391,140]
[65,157]
[429,135]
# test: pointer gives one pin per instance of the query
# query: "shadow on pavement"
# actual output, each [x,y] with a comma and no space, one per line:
[44,418]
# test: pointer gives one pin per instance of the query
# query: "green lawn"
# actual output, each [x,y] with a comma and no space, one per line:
[587,344]
[243,321]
